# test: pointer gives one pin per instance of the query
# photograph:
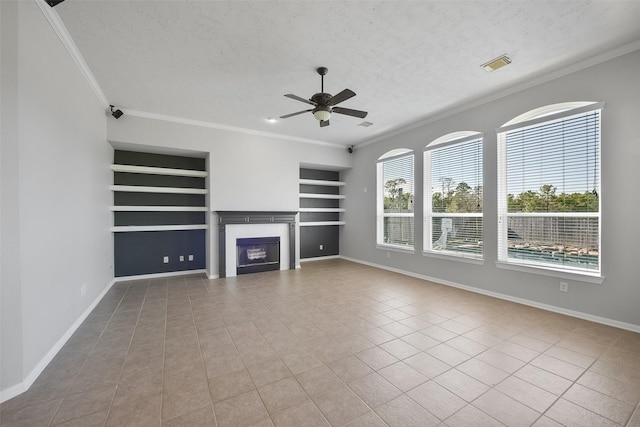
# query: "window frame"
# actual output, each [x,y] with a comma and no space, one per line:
[548,114]
[391,155]
[443,142]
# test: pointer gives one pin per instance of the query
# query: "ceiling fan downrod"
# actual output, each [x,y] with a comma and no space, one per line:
[322,71]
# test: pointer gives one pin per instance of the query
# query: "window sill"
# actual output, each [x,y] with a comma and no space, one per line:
[452,257]
[578,277]
[394,248]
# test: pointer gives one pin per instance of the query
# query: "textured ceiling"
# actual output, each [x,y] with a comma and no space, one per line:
[230,62]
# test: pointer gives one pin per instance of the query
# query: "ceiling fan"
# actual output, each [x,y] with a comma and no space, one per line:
[324,103]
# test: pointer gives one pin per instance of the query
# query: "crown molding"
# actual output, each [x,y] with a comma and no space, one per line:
[518,87]
[212,125]
[64,36]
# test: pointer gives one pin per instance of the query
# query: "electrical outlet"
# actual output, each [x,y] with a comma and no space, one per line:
[564,287]
[190,257]
[321,247]
[83,290]
[165,260]
[181,258]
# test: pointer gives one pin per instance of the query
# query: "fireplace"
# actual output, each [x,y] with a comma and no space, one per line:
[254,255]
[240,225]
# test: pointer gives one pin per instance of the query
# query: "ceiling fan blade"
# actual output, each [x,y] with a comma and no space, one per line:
[297,98]
[350,112]
[324,123]
[342,96]
[286,116]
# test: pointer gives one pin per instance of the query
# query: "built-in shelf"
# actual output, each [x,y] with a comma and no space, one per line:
[321,196]
[142,189]
[158,171]
[159,208]
[322,210]
[320,223]
[159,213]
[317,192]
[321,182]
[134,228]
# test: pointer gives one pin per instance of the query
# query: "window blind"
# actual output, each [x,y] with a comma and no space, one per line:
[549,193]
[453,198]
[396,201]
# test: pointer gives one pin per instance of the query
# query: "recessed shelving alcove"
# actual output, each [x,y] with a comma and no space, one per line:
[320,212]
[159,213]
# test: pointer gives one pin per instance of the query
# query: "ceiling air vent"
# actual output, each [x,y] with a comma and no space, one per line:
[499,62]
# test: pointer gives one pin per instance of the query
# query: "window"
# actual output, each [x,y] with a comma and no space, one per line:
[453,195]
[549,189]
[395,199]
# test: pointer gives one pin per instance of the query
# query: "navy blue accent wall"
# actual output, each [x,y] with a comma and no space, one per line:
[136,158]
[319,174]
[147,180]
[125,198]
[143,252]
[158,218]
[312,237]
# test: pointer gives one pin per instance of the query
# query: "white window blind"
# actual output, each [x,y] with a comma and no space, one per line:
[453,197]
[549,192]
[395,201]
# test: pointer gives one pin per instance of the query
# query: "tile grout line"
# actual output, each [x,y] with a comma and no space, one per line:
[67,394]
[124,363]
[582,374]
[204,366]
[164,345]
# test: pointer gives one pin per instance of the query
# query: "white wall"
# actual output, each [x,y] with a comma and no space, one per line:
[246,172]
[60,169]
[10,293]
[618,299]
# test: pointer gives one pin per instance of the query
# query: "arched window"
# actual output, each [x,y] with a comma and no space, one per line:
[453,192]
[549,188]
[395,192]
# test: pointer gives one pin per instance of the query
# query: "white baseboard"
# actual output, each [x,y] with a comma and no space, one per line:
[320,258]
[19,388]
[12,391]
[573,313]
[160,275]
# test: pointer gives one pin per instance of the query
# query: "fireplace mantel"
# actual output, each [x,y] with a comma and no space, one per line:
[254,217]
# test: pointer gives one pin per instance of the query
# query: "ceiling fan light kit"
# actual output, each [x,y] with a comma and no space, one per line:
[324,103]
[321,115]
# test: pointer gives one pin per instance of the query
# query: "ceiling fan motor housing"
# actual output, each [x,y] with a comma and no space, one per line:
[322,99]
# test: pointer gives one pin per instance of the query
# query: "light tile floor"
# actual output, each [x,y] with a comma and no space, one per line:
[335,343]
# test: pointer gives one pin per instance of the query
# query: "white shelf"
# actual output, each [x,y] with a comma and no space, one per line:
[322,210]
[321,182]
[158,171]
[321,196]
[131,228]
[173,190]
[159,208]
[320,223]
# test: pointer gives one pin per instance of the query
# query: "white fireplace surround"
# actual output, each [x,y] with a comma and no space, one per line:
[243,231]
[233,225]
